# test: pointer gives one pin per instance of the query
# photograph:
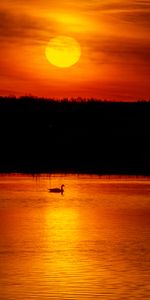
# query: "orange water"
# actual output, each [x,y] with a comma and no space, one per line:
[91,243]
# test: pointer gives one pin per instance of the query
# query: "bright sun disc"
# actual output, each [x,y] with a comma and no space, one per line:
[63,51]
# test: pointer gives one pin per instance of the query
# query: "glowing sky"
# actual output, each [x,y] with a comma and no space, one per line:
[114,37]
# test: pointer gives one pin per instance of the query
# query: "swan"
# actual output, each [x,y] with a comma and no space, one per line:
[57,190]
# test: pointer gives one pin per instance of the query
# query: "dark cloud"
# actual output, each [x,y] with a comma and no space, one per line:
[16,26]
[137,12]
[137,18]
[129,52]
[119,46]
[118,6]
[120,51]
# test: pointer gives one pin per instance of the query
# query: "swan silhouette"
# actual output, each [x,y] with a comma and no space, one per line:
[57,190]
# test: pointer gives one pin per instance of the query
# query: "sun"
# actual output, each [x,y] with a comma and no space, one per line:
[63,51]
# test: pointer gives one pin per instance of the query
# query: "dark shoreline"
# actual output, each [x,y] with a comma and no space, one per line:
[87,137]
[75,171]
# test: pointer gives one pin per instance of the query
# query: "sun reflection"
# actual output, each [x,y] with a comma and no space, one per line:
[62,232]
[68,259]
[62,223]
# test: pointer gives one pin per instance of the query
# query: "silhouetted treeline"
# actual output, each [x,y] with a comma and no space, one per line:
[39,135]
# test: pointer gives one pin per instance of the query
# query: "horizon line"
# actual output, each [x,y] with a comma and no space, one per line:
[71,99]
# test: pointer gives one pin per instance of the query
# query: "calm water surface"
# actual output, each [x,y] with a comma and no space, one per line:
[91,243]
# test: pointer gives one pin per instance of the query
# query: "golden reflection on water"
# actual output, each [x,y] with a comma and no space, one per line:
[62,226]
[91,243]
[62,223]
[72,262]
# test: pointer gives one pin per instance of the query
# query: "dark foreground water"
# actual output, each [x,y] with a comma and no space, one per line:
[93,242]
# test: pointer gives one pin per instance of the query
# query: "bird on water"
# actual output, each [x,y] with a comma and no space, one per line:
[57,190]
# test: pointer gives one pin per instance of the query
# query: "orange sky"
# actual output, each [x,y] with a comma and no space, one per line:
[115,42]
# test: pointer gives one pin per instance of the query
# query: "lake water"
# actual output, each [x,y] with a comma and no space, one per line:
[92,242]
